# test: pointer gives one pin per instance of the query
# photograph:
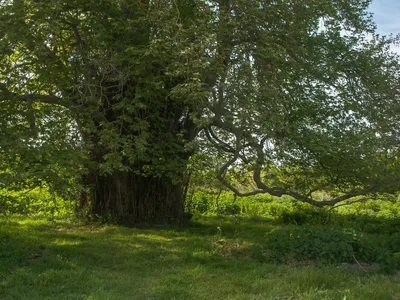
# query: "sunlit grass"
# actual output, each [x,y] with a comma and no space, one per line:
[65,260]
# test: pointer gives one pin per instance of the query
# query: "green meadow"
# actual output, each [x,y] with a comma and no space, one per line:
[289,252]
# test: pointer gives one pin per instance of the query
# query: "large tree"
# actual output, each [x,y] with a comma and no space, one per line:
[120,93]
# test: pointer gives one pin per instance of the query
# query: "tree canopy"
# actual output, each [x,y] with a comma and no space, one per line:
[119,94]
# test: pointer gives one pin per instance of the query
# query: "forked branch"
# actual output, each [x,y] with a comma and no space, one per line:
[263,188]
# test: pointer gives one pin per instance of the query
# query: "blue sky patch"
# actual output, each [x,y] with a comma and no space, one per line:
[386,15]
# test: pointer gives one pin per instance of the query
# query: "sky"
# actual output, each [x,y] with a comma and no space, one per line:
[387,17]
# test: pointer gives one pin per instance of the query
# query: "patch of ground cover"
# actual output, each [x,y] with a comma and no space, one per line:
[211,258]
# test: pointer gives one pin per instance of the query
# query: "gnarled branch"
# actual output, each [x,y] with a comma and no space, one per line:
[263,188]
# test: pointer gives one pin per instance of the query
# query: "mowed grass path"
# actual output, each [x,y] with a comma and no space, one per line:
[43,260]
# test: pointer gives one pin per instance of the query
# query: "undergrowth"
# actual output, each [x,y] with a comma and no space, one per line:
[362,234]
[293,233]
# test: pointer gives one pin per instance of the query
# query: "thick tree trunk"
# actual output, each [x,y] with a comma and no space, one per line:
[139,196]
[131,199]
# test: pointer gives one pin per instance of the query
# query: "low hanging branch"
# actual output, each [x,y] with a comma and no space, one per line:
[263,188]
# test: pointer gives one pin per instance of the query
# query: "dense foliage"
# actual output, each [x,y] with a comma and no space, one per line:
[118,95]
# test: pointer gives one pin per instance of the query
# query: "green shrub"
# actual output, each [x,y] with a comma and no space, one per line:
[303,215]
[310,243]
[226,208]
[394,241]
[38,201]
[375,216]
[205,202]
[328,245]
[202,205]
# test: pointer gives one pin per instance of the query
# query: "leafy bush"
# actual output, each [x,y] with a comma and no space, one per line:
[205,202]
[310,243]
[394,241]
[303,215]
[328,245]
[38,201]
[375,216]
[201,204]
[283,209]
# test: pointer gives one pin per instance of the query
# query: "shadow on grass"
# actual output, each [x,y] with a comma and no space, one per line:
[42,260]
[36,259]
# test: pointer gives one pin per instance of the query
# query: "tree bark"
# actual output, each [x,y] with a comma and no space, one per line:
[130,199]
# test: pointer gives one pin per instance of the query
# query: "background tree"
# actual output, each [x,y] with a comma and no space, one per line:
[126,89]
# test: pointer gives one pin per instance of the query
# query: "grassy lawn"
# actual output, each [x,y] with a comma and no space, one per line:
[43,260]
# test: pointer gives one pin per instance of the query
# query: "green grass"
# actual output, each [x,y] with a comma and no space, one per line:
[66,260]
